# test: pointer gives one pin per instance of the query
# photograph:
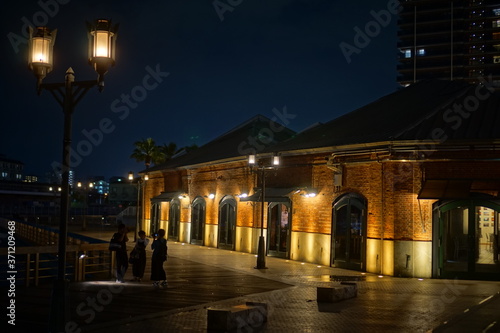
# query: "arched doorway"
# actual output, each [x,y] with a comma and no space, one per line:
[174,214]
[467,239]
[349,232]
[198,209]
[278,231]
[227,223]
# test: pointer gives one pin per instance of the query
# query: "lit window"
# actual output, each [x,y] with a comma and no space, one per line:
[407,53]
[495,23]
[421,52]
[496,11]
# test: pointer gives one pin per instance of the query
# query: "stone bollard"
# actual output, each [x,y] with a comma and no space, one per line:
[346,290]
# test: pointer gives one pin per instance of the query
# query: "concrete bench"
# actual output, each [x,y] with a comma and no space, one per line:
[346,290]
[250,314]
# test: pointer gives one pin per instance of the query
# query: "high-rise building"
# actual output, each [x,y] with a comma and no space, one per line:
[453,40]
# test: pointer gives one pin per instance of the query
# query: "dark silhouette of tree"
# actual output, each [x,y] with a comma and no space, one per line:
[148,152]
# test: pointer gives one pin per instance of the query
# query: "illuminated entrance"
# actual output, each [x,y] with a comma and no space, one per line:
[227,223]
[279,229]
[468,239]
[174,215]
[198,221]
[349,232]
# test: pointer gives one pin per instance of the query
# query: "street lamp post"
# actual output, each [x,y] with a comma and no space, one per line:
[102,40]
[261,251]
[140,184]
[85,202]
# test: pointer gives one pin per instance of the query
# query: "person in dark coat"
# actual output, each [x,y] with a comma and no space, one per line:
[159,247]
[121,257]
[139,264]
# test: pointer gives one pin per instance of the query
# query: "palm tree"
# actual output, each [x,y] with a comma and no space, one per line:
[168,150]
[148,152]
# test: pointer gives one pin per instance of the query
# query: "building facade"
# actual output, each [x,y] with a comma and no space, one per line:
[11,170]
[417,195]
[451,40]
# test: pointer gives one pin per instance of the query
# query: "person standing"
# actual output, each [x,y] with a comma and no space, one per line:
[121,257]
[139,264]
[159,247]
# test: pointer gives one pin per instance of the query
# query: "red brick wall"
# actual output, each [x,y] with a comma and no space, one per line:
[390,188]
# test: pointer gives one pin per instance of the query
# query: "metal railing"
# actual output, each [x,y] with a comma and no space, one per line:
[86,258]
[37,264]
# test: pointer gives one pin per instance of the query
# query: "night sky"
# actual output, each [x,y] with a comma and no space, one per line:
[224,66]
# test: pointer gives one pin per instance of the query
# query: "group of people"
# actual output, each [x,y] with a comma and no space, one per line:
[138,256]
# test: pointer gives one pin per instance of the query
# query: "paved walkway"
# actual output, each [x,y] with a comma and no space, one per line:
[202,277]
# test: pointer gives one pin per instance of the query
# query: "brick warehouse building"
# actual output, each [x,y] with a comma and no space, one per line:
[405,186]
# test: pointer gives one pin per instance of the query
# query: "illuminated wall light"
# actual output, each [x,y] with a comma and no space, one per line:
[276,160]
[211,196]
[251,159]
[243,195]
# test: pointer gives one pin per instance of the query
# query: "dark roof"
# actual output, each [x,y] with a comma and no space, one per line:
[412,113]
[237,142]
[8,160]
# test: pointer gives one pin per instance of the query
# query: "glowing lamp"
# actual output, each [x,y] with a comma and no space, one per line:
[276,160]
[102,44]
[40,51]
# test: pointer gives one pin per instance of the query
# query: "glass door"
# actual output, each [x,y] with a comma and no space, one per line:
[487,228]
[174,214]
[155,218]
[279,229]
[468,236]
[197,221]
[227,224]
[348,232]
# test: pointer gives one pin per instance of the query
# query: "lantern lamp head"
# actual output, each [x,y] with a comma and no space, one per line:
[102,44]
[40,51]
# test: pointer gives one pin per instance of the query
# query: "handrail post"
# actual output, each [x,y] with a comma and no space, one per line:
[37,264]
[28,269]
[76,273]
[84,260]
